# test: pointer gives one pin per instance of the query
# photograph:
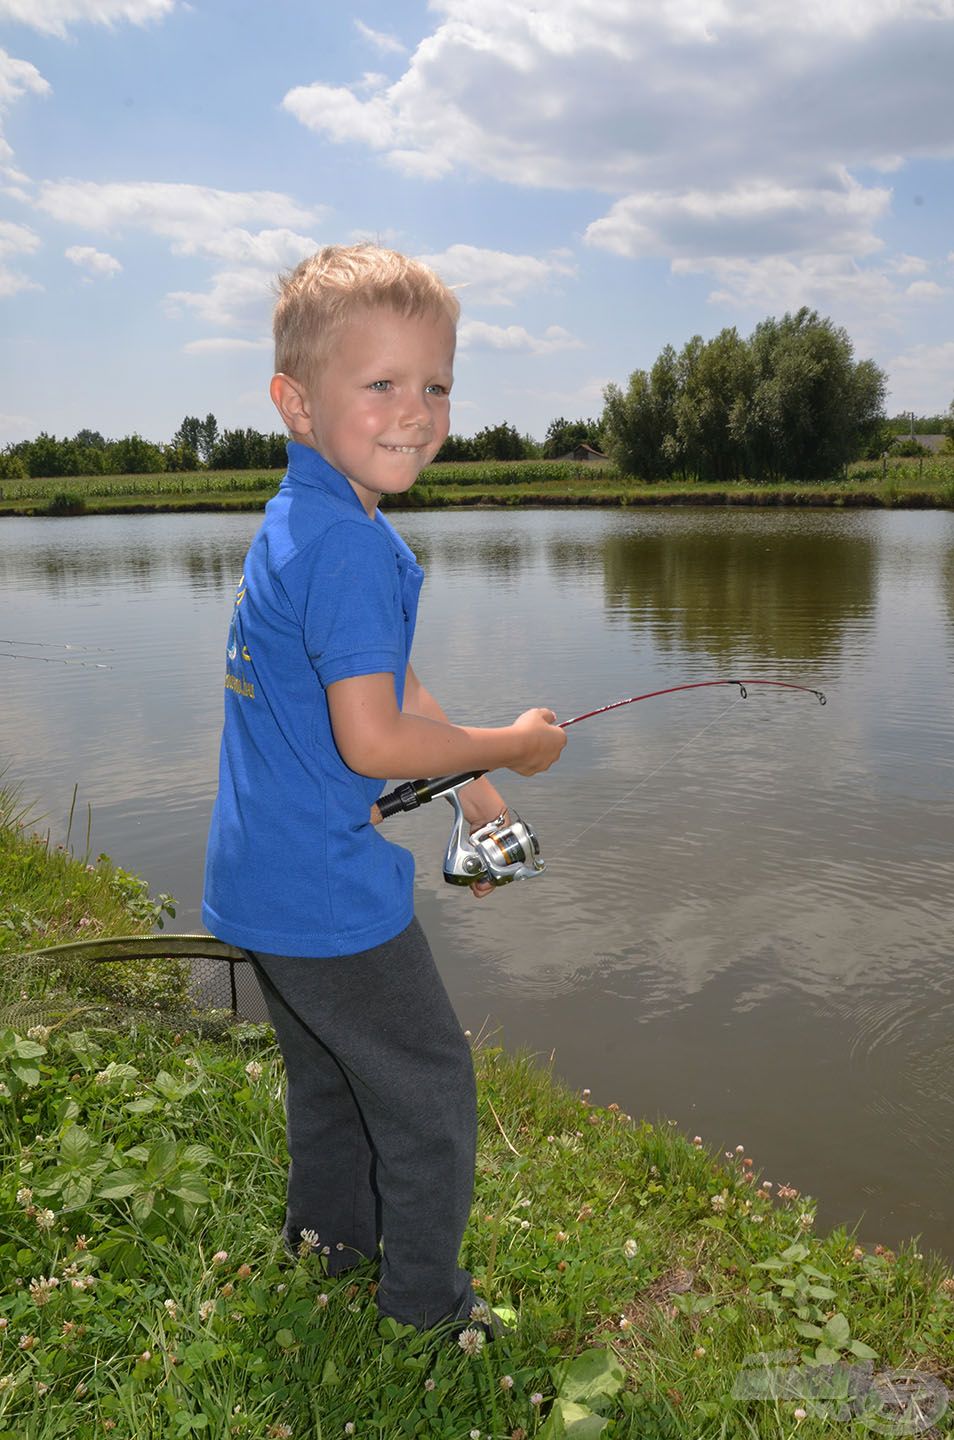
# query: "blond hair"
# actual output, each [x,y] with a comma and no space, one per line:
[323,292]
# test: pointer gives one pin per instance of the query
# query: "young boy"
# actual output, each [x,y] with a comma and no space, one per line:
[322,706]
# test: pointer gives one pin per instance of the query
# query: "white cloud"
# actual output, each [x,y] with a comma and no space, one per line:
[235,298]
[495,277]
[925,290]
[55,16]
[752,218]
[390,44]
[17,78]
[97,262]
[909,265]
[477,335]
[217,344]
[834,283]
[608,93]
[16,240]
[196,219]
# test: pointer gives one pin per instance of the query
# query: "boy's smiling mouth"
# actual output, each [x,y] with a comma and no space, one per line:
[404,449]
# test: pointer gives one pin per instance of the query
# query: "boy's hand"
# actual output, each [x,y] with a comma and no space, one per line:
[541,738]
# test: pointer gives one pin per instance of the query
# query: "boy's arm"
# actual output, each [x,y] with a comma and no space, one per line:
[480,801]
[375,738]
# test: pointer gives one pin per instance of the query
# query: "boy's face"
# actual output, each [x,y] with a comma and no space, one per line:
[380,408]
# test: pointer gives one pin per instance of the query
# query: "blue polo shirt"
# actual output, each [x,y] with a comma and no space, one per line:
[293,865]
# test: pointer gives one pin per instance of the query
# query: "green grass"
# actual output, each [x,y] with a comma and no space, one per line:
[905,482]
[144,1172]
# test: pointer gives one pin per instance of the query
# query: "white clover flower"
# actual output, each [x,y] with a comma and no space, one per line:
[101,1077]
[322,1301]
[806,1221]
[480,1313]
[172,1308]
[536,1398]
[206,1309]
[4,1091]
[429,1383]
[475,1435]
[7,1382]
[41,1289]
[630,1249]
[506,1382]
[220,1257]
[349,1427]
[471,1341]
[719,1202]
[254,1071]
[309,1238]
[24,1196]
[40,1033]
[44,1219]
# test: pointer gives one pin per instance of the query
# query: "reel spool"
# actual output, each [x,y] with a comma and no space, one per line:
[499,853]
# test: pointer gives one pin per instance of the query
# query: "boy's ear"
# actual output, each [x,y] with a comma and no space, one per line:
[291,401]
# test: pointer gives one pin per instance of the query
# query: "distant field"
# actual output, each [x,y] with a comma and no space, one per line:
[927,482]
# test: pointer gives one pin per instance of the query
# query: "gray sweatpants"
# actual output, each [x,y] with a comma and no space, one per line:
[381,1118]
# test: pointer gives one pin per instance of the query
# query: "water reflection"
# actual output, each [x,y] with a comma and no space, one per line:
[746,919]
[757,593]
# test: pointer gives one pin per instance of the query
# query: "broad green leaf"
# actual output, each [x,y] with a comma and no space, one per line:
[28,1074]
[795,1253]
[826,1356]
[190,1188]
[286,1339]
[811,1332]
[141,1106]
[773,1263]
[329,1374]
[821,1292]
[592,1377]
[571,1421]
[138,1152]
[837,1332]
[75,1145]
[118,1185]
[142,1204]
[77,1191]
[162,1160]
[28,1049]
[198,1155]
[863,1351]
[87,1052]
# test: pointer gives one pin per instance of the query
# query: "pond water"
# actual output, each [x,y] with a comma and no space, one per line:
[745,923]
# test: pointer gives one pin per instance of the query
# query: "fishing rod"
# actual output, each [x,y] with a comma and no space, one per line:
[499,851]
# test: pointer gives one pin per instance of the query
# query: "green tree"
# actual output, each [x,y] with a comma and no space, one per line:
[713,387]
[456,447]
[499,442]
[208,435]
[564,435]
[187,434]
[639,425]
[132,455]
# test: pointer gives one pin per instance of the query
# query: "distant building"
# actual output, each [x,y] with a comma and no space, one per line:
[937,444]
[586,455]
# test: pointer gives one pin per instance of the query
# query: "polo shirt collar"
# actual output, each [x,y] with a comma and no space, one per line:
[309,468]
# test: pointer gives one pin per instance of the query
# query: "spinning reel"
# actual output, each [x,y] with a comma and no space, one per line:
[499,851]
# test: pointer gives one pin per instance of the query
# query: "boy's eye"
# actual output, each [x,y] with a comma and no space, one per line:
[379,385]
[436,389]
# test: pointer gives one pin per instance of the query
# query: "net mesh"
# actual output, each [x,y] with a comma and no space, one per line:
[189,983]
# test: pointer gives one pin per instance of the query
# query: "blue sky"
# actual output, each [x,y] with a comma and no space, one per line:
[600,177]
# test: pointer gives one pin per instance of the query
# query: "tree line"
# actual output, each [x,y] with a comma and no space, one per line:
[788,403]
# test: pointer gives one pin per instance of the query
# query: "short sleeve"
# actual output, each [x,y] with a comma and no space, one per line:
[347,592]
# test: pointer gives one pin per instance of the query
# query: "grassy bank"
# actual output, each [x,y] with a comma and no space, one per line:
[144,1292]
[904,482]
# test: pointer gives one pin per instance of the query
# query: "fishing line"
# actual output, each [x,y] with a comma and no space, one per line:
[45,645]
[56,660]
[646,778]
